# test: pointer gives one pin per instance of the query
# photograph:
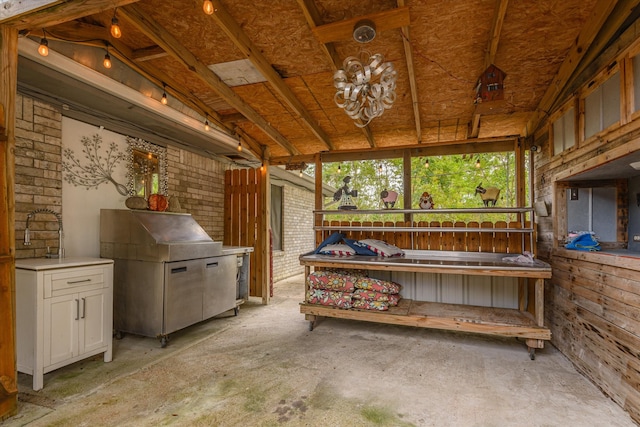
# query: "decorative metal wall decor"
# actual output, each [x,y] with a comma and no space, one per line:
[99,168]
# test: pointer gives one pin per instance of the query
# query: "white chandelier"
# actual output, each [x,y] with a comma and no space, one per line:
[365,88]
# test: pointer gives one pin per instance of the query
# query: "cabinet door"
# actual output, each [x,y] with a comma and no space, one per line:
[219,285]
[92,332]
[61,316]
[183,294]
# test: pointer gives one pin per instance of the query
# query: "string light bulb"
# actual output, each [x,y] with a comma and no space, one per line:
[426,163]
[239,146]
[339,168]
[43,49]
[207,7]
[164,99]
[478,163]
[206,125]
[116,32]
[106,63]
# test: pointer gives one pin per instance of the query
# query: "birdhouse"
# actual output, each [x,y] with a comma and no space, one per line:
[490,85]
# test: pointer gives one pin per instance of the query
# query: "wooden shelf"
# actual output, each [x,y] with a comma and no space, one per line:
[504,322]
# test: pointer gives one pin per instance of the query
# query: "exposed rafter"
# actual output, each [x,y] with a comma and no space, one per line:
[167,42]
[406,40]
[246,46]
[490,56]
[63,12]
[314,20]
[97,36]
[590,30]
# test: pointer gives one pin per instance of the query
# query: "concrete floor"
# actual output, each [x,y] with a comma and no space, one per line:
[265,368]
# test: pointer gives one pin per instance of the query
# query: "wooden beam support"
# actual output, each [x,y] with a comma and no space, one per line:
[343,30]
[167,42]
[490,56]
[467,146]
[590,30]
[9,84]
[413,85]
[314,19]
[63,12]
[98,36]
[264,225]
[240,39]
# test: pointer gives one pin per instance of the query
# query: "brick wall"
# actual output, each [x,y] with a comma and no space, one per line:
[298,231]
[38,174]
[198,182]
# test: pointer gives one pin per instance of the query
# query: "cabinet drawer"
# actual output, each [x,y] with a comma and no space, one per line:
[62,282]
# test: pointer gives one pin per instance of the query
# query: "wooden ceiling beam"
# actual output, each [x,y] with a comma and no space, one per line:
[235,33]
[413,85]
[314,19]
[468,146]
[578,50]
[98,36]
[343,30]
[62,12]
[618,16]
[169,43]
[148,53]
[490,56]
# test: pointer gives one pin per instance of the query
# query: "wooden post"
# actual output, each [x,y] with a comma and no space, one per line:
[264,227]
[8,83]
[317,219]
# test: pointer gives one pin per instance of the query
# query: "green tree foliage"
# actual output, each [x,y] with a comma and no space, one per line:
[451,181]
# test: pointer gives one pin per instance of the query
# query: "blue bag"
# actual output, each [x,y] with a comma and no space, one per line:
[584,242]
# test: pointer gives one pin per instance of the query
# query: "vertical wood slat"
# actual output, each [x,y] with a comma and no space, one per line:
[241,214]
[486,238]
[447,243]
[422,237]
[473,237]
[500,237]
[460,237]
[435,237]
[390,236]
[515,240]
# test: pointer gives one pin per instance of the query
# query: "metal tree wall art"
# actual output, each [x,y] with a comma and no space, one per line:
[98,168]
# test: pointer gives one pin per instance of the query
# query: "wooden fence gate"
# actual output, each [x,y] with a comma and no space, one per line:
[242,219]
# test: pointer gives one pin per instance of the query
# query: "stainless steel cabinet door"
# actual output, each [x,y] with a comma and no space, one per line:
[219,285]
[183,294]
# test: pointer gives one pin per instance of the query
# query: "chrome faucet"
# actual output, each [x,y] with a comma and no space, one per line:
[27,233]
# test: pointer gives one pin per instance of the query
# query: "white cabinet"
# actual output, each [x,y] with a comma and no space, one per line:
[64,313]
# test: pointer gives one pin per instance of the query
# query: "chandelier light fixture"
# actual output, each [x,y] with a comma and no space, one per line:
[366,86]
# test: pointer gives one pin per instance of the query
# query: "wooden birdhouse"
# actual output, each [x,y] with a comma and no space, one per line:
[490,85]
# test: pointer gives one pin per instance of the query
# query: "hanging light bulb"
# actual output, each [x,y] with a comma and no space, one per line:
[116,32]
[43,49]
[380,168]
[239,146]
[106,63]
[339,169]
[164,95]
[426,163]
[206,125]
[478,163]
[207,6]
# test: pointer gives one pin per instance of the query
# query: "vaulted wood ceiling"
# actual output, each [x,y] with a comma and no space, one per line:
[439,49]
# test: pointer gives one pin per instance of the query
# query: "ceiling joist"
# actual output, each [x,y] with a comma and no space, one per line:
[235,33]
[590,30]
[413,85]
[167,42]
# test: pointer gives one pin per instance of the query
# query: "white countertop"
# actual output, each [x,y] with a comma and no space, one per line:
[54,263]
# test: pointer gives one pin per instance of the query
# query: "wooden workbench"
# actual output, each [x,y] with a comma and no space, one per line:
[526,322]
